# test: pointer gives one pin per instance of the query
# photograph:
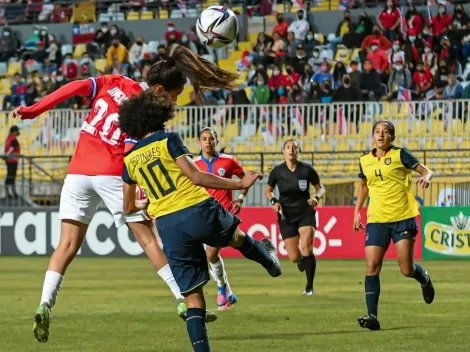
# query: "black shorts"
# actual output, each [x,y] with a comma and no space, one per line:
[183,234]
[382,234]
[290,227]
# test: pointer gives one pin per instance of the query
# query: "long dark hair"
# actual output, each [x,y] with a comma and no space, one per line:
[211,130]
[183,64]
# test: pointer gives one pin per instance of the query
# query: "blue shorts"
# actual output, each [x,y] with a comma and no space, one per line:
[183,234]
[381,234]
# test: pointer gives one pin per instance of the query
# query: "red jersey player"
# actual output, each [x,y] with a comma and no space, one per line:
[95,171]
[222,165]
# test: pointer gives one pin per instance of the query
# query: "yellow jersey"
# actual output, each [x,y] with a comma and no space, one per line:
[151,164]
[389,182]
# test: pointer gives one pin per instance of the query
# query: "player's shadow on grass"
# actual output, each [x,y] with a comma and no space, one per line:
[294,335]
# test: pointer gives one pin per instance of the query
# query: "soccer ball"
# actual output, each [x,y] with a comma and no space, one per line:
[141,199]
[217,26]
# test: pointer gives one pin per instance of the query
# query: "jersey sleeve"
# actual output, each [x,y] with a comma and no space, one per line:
[126,177]
[272,180]
[314,178]
[361,172]
[176,147]
[96,84]
[237,168]
[407,159]
[129,144]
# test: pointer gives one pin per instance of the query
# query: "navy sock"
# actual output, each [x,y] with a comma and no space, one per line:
[420,275]
[253,250]
[310,265]
[196,325]
[372,286]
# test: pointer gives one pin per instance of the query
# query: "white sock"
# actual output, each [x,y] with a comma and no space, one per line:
[51,287]
[167,276]
[218,273]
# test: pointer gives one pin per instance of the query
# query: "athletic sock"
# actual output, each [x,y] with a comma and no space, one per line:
[51,288]
[254,250]
[217,271]
[310,265]
[167,276]
[372,286]
[420,275]
[196,325]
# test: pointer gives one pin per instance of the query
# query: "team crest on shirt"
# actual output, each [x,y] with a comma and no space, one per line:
[303,185]
[388,161]
[221,172]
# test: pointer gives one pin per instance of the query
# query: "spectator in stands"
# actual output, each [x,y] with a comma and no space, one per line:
[117,33]
[40,55]
[310,43]
[86,66]
[446,53]
[69,68]
[428,58]
[49,66]
[338,72]
[466,71]
[371,87]
[300,26]
[35,37]
[323,74]
[117,55]
[261,94]
[414,20]
[265,8]
[161,53]
[376,35]
[16,98]
[441,76]
[396,53]
[31,91]
[12,150]
[281,26]
[172,34]
[400,77]
[291,77]
[45,37]
[276,49]
[300,60]
[305,80]
[188,43]
[47,84]
[422,80]
[260,70]
[347,93]
[325,91]
[413,49]
[460,17]
[343,28]
[209,98]
[315,61]
[454,89]
[353,39]
[14,13]
[294,94]
[8,45]
[291,46]
[55,55]
[276,80]
[103,37]
[46,11]
[389,20]
[379,58]
[138,49]
[262,47]
[441,21]
[355,74]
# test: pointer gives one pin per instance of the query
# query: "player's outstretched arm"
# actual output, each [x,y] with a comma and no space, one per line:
[80,88]
[204,179]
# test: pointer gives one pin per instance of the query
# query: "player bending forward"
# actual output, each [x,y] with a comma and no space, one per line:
[187,216]
[94,173]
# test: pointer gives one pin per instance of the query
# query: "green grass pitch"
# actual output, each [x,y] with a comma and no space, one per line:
[118,304]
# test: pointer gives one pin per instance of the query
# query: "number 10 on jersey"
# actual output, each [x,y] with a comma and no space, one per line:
[151,175]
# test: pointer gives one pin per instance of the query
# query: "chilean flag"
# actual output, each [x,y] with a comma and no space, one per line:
[299,5]
[404,94]
[82,34]
[298,121]
[182,7]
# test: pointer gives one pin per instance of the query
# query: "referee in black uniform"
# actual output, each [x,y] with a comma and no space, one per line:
[296,215]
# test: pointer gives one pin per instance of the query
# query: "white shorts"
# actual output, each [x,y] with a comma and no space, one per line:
[81,195]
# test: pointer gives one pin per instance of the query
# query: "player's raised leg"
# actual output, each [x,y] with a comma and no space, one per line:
[225,297]
[78,203]
[404,247]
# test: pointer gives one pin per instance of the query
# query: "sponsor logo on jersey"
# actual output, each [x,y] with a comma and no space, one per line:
[303,185]
[221,172]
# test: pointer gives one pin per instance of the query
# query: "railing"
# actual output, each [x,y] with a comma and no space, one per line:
[436,125]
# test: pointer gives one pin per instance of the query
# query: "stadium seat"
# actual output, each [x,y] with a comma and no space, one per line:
[66,49]
[253,37]
[14,67]
[100,64]
[104,17]
[79,50]
[176,14]
[192,13]
[3,68]
[343,55]
[5,86]
[163,14]
[118,16]
[132,16]
[148,15]
[153,46]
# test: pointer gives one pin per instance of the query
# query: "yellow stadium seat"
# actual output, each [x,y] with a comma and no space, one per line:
[163,14]
[237,9]
[14,67]
[79,50]
[343,55]
[5,86]
[100,64]
[132,16]
[183,98]
[253,37]
[236,55]
[148,15]
[245,46]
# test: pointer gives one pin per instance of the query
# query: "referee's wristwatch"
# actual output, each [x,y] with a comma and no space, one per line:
[274,201]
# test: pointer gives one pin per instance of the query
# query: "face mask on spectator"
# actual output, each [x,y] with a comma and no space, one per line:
[207,94]
[324,68]
[29,80]
[6,34]
[85,60]
[316,54]
[113,31]
[104,29]
[45,79]
[279,20]
[184,40]
[300,17]
[139,43]
[60,78]
[137,74]
[309,36]
[43,33]
[326,85]
[171,29]
[300,56]
[67,61]
[374,47]
[420,68]
[276,73]
[308,71]
[289,70]
[280,91]
[427,50]
[412,38]
[53,46]
[347,80]
[398,67]
[395,47]
[115,45]
[260,83]
[425,33]
[36,32]
[442,11]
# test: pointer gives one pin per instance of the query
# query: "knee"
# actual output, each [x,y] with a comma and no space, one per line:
[294,257]
[306,248]
[373,269]
[238,239]
[408,270]
[212,254]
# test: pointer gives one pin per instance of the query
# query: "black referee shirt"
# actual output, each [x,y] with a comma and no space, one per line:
[293,187]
